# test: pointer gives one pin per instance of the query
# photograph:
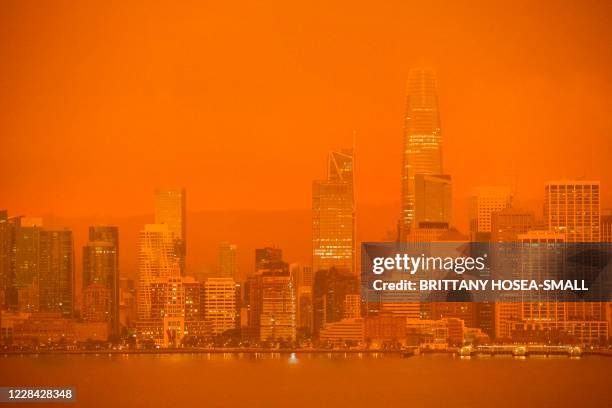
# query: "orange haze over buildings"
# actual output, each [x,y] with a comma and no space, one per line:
[101,103]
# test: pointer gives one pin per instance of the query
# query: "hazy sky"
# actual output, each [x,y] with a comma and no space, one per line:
[240,102]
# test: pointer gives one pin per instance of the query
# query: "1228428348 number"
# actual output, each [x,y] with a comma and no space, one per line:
[14,394]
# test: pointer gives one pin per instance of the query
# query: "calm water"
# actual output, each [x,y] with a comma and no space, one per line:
[316,380]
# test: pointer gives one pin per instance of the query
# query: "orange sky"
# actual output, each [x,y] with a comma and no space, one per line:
[101,103]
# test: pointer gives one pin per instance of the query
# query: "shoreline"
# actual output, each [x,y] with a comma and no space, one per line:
[401,353]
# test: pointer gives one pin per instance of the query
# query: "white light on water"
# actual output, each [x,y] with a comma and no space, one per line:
[293,359]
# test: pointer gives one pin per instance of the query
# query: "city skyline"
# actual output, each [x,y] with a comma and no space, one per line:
[306,203]
[175,298]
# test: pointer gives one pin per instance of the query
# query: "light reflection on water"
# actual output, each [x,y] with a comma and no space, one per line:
[314,379]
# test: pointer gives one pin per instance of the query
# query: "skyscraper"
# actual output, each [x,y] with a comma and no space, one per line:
[157,260]
[333,215]
[7,238]
[170,209]
[105,233]
[56,272]
[432,202]
[101,282]
[265,255]
[422,142]
[332,294]
[271,299]
[508,223]
[228,266]
[302,278]
[168,309]
[26,264]
[486,200]
[220,304]
[572,207]
[277,319]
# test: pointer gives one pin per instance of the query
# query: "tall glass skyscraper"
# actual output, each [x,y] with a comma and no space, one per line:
[333,215]
[170,209]
[422,152]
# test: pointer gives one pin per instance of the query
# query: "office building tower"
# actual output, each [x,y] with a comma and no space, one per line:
[168,309]
[128,310]
[100,271]
[265,255]
[194,299]
[271,302]
[176,311]
[157,260]
[333,215]
[302,278]
[171,209]
[332,290]
[194,307]
[432,199]
[220,304]
[526,262]
[56,272]
[484,202]
[422,141]
[277,320]
[228,263]
[26,259]
[105,233]
[97,303]
[508,223]
[8,226]
[572,207]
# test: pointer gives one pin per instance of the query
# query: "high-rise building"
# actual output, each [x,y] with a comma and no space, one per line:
[333,215]
[220,304]
[171,209]
[194,299]
[277,319]
[529,263]
[332,295]
[100,272]
[271,301]
[8,226]
[432,199]
[572,207]
[56,272]
[157,261]
[105,233]
[265,255]
[96,305]
[176,311]
[485,201]
[26,250]
[168,309]
[508,223]
[422,141]
[228,264]
[302,278]
[128,311]
[41,268]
